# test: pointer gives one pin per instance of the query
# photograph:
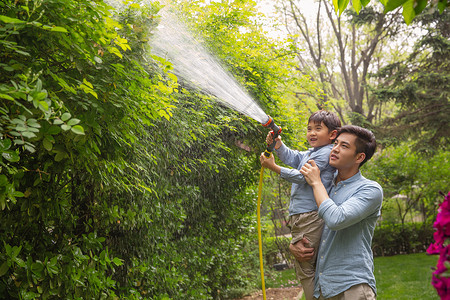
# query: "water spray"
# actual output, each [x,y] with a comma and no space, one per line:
[198,68]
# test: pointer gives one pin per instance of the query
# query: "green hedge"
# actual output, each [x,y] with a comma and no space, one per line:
[392,239]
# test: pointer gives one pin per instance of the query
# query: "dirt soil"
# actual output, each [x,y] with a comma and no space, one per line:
[290,293]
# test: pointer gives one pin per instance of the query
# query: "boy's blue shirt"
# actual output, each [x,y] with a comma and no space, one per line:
[302,196]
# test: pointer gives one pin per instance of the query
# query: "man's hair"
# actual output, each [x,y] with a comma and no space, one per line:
[330,119]
[365,140]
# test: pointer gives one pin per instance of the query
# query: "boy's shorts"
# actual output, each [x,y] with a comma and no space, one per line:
[307,225]
[310,226]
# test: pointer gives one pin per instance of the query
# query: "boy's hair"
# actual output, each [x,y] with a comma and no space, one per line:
[330,119]
[365,140]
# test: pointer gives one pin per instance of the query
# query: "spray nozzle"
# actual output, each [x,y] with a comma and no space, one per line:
[276,130]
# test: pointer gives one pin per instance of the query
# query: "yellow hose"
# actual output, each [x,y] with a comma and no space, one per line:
[259,232]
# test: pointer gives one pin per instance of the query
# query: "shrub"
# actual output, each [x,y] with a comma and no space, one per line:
[392,239]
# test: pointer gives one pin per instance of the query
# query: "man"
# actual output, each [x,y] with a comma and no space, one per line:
[350,209]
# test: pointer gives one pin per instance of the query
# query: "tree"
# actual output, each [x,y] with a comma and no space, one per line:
[420,86]
[351,47]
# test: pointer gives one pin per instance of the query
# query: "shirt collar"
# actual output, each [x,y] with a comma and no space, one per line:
[317,148]
[354,178]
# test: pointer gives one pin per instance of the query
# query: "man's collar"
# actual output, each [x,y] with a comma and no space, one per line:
[354,178]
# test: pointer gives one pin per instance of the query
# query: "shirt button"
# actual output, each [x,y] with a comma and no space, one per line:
[321,257]
[320,274]
[335,193]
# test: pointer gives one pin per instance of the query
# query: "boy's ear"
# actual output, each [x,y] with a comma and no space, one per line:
[333,135]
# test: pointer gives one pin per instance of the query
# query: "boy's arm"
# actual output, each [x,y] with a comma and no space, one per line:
[288,156]
[320,157]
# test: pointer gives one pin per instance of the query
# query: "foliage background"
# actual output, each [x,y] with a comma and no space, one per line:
[117,181]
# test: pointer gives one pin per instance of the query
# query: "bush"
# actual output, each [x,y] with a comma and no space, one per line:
[392,239]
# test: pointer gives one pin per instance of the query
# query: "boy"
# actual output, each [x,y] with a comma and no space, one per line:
[305,223]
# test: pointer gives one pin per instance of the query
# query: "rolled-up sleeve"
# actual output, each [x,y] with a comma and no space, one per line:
[362,204]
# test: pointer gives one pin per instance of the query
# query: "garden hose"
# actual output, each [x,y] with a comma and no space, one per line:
[275,132]
[261,175]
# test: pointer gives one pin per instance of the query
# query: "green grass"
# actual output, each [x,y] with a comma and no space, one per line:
[405,276]
[398,277]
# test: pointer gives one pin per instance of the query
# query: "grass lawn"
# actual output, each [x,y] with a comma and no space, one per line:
[405,276]
[398,277]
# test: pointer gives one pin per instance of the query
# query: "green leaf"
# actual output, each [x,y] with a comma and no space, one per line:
[60,156]
[65,127]
[58,122]
[442,4]
[78,129]
[4,268]
[393,4]
[30,148]
[18,194]
[5,144]
[357,5]
[342,5]
[37,268]
[7,97]
[408,11]
[28,134]
[87,83]
[117,261]
[3,180]
[43,105]
[59,29]
[6,19]
[11,156]
[73,122]
[420,6]
[47,145]
[53,130]
[365,2]
[66,116]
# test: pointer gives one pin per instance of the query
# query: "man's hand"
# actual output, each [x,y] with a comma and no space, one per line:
[301,251]
[311,173]
[269,140]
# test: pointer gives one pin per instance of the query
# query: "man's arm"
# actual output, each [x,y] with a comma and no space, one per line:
[362,204]
[365,202]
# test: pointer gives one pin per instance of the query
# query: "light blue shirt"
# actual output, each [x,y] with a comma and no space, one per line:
[302,196]
[345,255]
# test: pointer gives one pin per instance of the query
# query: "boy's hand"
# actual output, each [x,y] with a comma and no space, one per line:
[311,173]
[269,163]
[269,140]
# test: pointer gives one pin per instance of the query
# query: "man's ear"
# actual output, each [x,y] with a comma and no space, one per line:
[360,157]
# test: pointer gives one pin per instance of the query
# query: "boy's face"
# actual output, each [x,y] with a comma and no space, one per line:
[318,134]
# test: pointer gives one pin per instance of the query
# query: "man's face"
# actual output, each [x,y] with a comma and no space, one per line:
[318,134]
[343,154]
